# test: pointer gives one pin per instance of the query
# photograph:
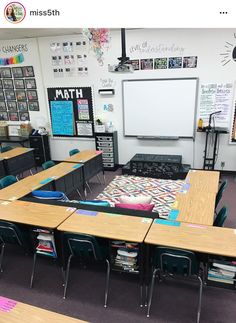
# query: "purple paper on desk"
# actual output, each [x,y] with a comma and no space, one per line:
[6,304]
[86,212]
[185,187]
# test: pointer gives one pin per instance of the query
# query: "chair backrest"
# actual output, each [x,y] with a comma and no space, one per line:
[74,151]
[221,217]
[12,233]
[6,148]
[219,194]
[84,246]
[7,180]
[48,164]
[176,261]
[50,195]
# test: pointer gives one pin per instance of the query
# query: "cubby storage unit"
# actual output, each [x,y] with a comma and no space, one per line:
[41,149]
[107,142]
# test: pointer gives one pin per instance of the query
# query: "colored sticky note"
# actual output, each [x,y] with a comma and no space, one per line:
[197,226]
[173,214]
[7,304]
[86,212]
[70,209]
[77,166]
[174,205]
[47,180]
[166,222]
[113,214]
[146,220]
[98,152]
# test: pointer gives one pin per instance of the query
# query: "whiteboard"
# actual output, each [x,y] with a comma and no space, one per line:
[159,107]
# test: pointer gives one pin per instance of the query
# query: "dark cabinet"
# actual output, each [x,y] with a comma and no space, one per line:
[108,144]
[41,149]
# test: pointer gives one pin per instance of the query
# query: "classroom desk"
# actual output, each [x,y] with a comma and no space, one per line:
[17,160]
[45,180]
[195,207]
[107,225]
[92,161]
[198,238]
[35,214]
[203,181]
[23,313]
[14,139]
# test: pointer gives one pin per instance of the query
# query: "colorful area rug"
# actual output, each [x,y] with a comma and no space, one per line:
[163,191]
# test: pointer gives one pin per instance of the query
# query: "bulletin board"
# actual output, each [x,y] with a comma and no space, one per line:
[71,111]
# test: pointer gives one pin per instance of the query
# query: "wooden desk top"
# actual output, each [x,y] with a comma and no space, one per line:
[15,152]
[199,238]
[106,225]
[82,157]
[24,313]
[203,180]
[195,207]
[44,215]
[31,183]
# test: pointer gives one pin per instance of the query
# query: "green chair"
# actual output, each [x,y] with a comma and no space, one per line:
[221,217]
[74,151]
[11,233]
[219,194]
[7,181]
[48,164]
[87,249]
[175,262]
[6,148]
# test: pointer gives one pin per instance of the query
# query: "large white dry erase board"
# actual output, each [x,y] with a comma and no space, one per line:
[160,107]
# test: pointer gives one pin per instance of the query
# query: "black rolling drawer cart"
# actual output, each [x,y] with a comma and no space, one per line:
[108,143]
[41,148]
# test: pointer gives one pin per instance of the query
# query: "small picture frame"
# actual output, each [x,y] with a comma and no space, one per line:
[7,84]
[24,116]
[4,116]
[13,129]
[10,95]
[28,71]
[3,106]
[34,106]
[17,72]
[20,95]
[32,95]
[11,106]
[13,116]
[2,97]
[23,106]
[30,84]
[19,84]
[5,72]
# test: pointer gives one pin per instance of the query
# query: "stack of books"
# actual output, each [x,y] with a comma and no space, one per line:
[46,245]
[222,272]
[126,258]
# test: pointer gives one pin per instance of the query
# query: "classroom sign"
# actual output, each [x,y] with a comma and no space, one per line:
[71,111]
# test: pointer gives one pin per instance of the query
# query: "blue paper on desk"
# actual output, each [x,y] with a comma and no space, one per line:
[86,212]
[173,214]
[166,222]
[47,180]
[185,187]
[77,166]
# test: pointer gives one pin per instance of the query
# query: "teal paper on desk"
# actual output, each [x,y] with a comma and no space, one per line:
[166,222]
[47,180]
[77,166]
[173,215]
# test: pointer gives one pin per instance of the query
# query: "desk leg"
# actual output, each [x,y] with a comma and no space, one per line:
[141,270]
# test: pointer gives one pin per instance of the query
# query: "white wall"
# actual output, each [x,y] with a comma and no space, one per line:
[207,44]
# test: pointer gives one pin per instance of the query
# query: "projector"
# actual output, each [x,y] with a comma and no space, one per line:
[121,68]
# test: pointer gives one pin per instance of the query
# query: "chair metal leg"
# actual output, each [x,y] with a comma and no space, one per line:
[199,299]
[67,276]
[104,179]
[98,179]
[31,173]
[151,291]
[33,270]
[1,256]
[88,186]
[141,295]
[80,195]
[107,282]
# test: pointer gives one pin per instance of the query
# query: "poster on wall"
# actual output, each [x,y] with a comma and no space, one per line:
[216,97]
[71,111]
